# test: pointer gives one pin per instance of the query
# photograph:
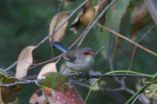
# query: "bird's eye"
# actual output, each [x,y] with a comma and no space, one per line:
[89,53]
[86,53]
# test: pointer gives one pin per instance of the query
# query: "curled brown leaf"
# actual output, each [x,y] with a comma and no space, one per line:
[84,17]
[25,60]
[56,21]
[50,67]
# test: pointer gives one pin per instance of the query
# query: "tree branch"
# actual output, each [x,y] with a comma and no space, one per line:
[57,29]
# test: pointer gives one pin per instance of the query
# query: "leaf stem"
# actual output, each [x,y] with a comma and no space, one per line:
[129,72]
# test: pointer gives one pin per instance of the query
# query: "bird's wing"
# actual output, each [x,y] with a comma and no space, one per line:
[59,46]
[69,56]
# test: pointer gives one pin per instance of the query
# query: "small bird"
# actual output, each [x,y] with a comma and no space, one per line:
[80,59]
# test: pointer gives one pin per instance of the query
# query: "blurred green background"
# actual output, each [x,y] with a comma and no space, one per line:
[26,22]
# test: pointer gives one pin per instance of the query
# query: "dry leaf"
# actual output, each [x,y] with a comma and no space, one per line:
[25,60]
[138,19]
[12,92]
[55,23]
[51,67]
[84,17]
[101,5]
[138,13]
[9,95]
[14,102]
[1,100]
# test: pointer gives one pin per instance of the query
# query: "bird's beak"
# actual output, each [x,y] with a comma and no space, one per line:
[93,53]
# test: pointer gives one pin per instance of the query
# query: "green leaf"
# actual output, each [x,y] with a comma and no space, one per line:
[55,81]
[102,37]
[115,14]
[6,79]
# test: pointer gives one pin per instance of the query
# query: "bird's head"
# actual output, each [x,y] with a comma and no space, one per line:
[81,58]
[87,52]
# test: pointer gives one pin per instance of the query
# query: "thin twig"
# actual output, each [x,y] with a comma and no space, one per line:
[71,14]
[100,50]
[135,47]
[76,77]
[127,39]
[85,76]
[55,58]
[80,83]
[139,97]
[89,27]
[110,60]
[130,41]
[134,53]
[11,66]
[133,97]
[146,34]
[3,72]
[57,29]
[45,62]
[25,82]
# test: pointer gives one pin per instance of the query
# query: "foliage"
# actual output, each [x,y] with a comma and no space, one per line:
[25,23]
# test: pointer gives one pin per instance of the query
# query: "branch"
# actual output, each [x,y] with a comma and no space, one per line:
[25,82]
[90,26]
[77,77]
[57,29]
[88,76]
[130,41]
[72,13]
[135,95]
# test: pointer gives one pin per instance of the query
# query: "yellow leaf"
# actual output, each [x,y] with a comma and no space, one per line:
[51,67]
[25,60]
[88,14]
[84,17]
[55,23]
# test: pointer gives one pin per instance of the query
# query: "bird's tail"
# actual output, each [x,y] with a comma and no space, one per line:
[59,46]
